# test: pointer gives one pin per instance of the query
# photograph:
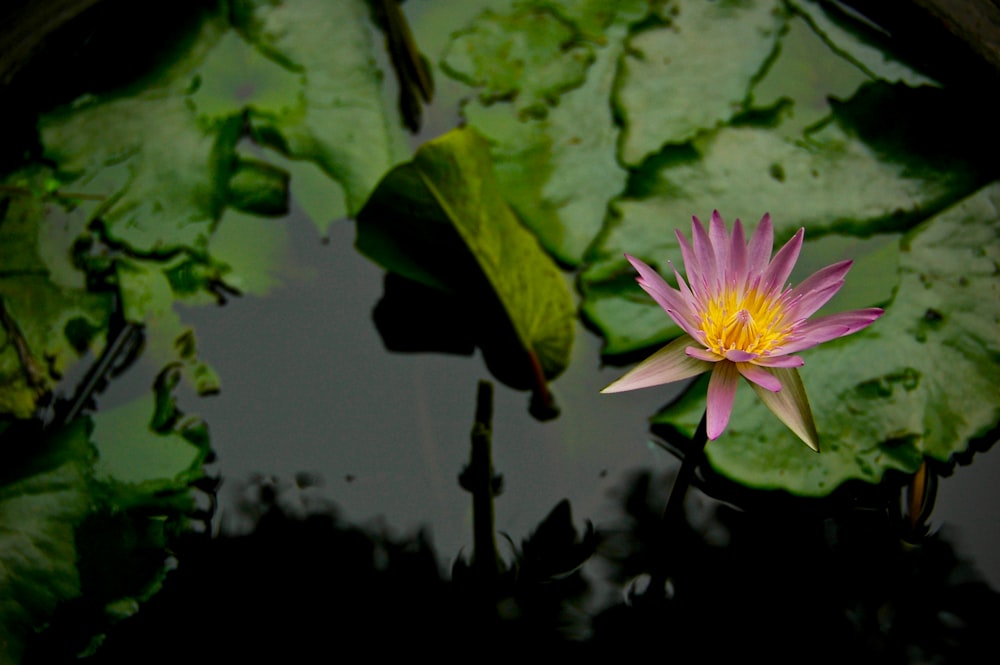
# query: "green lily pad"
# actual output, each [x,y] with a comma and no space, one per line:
[694,72]
[920,382]
[854,41]
[802,79]
[89,518]
[873,168]
[345,122]
[593,17]
[132,453]
[50,317]
[42,499]
[440,220]
[529,55]
[164,173]
[560,172]
[148,296]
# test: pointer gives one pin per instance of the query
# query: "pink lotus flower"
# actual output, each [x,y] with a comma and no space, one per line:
[741,319]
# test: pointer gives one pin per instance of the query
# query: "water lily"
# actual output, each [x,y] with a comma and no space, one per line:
[740,318]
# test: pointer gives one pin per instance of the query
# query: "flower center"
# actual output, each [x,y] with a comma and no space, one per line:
[745,321]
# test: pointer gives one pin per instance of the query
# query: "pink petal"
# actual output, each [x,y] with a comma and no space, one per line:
[814,291]
[707,272]
[667,365]
[690,262]
[790,405]
[719,237]
[737,253]
[759,376]
[738,356]
[781,266]
[703,354]
[810,302]
[779,361]
[721,393]
[667,297]
[825,328]
[761,243]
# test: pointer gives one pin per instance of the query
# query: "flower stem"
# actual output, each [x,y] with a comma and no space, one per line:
[674,510]
[673,515]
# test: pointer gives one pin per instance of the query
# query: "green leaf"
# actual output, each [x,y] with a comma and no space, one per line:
[148,296]
[88,518]
[50,319]
[802,78]
[142,452]
[872,168]
[529,55]
[164,174]
[560,172]
[694,72]
[440,220]
[258,187]
[858,43]
[920,382]
[345,124]
[43,496]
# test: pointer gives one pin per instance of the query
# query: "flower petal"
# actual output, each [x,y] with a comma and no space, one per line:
[719,237]
[814,291]
[759,376]
[669,364]
[781,266]
[737,268]
[738,356]
[790,405]
[779,361]
[703,354]
[759,250]
[704,276]
[825,328]
[721,393]
[667,297]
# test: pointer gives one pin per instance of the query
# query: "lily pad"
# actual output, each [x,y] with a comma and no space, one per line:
[88,520]
[42,499]
[920,382]
[859,43]
[693,72]
[440,220]
[345,124]
[529,55]
[50,319]
[560,172]
[164,174]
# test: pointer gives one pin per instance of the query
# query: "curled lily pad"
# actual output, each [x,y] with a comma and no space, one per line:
[440,220]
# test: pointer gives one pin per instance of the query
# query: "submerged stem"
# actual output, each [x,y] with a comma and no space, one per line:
[673,513]
[478,478]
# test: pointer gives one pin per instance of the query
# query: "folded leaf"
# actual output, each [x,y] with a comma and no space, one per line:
[440,220]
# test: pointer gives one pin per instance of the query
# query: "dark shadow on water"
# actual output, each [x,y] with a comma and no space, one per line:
[304,585]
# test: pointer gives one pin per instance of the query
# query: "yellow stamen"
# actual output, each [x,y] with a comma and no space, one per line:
[744,320]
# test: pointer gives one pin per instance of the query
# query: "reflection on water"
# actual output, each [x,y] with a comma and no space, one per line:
[305,583]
